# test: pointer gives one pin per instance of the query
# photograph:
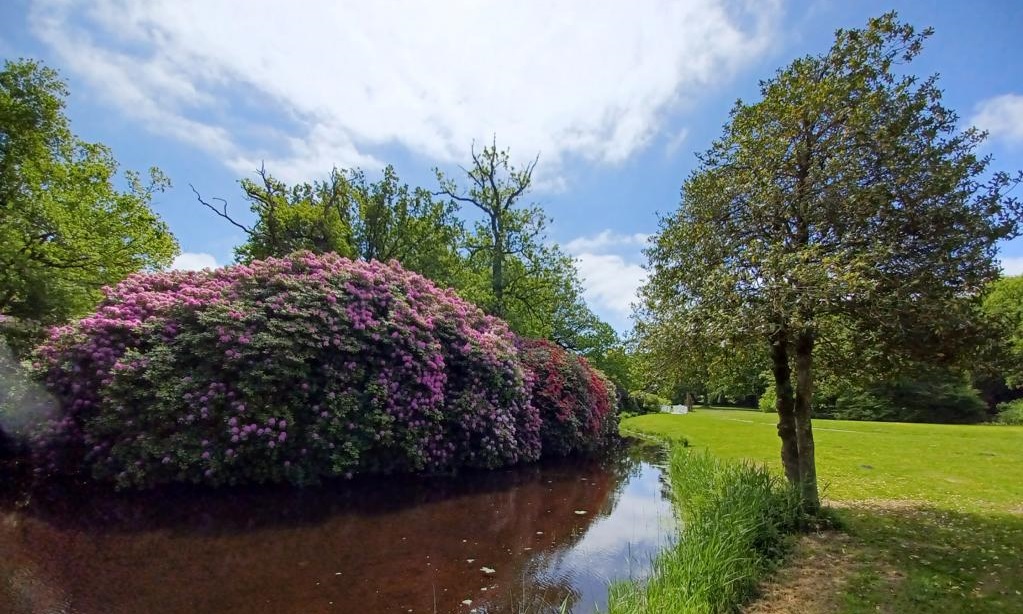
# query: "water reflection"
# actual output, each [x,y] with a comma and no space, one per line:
[550,533]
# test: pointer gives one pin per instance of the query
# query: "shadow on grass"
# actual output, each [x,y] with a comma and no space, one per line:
[917,558]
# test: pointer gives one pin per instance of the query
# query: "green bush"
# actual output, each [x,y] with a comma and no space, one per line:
[912,400]
[767,400]
[1011,412]
[640,402]
[948,401]
[735,519]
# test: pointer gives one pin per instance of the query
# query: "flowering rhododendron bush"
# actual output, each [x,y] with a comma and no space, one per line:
[289,369]
[576,402]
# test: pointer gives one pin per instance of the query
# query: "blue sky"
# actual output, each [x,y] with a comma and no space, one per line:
[615,96]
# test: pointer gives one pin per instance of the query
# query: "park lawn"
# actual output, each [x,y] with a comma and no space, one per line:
[934,512]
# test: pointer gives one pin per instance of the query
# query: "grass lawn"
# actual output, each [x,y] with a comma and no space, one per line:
[934,512]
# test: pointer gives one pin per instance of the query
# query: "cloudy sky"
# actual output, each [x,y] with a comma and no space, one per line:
[616,97]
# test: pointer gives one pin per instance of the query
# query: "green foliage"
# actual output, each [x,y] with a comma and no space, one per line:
[1011,412]
[945,400]
[843,223]
[912,400]
[512,270]
[640,402]
[830,206]
[767,401]
[349,215]
[735,520]
[504,264]
[1004,306]
[65,229]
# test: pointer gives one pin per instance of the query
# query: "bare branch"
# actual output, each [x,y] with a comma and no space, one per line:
[222,212]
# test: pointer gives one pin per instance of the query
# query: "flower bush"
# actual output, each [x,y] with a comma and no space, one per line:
[575,401]
[293,369]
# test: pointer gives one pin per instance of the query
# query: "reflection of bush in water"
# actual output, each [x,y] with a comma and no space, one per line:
[245,547]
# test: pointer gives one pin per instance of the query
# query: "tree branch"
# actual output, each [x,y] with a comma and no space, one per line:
[222,212]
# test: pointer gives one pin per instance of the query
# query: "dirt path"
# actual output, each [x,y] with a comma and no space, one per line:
[812,577]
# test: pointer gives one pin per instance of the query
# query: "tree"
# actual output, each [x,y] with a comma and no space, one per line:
[512,271]
[508,239]
[352,216]
[308,216]
[684,362]
[65,229]
[841,223]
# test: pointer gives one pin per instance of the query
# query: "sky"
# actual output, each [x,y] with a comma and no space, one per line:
[615,97]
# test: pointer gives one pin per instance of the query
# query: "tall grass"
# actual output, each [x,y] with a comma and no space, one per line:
[735,521]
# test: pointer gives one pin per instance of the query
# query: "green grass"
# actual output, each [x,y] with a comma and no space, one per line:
[736,517]
[936,511]
[973,467]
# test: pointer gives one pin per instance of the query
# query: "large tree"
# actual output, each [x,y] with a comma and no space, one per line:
[840,221]
[348,214]
[66,229]
[513,271]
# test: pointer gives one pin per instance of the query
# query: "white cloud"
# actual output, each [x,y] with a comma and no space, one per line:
[676,141]
[1012,265]
[610,266]
[610,282]
[604,240]
[340,80]
[193,261]
[1001,116]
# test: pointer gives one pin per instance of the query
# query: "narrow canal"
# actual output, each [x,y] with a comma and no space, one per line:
[527,539]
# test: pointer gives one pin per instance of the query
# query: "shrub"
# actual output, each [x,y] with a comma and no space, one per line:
[899,400]
[767,400]
[291,369]
[576,402]
[1011,412]
[735,519]
[645,403]
[912,400]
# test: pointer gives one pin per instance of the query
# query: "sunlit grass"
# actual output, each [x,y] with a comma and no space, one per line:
[936,511]
[964,467]
[735,519]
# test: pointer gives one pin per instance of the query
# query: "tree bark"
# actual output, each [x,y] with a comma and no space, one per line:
[784,405]
[497,266]
[804,427]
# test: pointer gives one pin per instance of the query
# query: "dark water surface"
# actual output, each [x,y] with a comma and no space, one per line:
[550,532]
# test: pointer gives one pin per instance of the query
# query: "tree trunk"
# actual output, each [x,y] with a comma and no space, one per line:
[497,266]
[804,428]
[784,404]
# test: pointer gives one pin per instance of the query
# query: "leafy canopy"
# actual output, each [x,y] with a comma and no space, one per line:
[842,221]
[66,229]
[512,270]
[845,202]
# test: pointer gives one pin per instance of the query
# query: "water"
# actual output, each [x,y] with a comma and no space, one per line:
[551,533]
